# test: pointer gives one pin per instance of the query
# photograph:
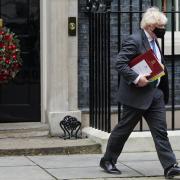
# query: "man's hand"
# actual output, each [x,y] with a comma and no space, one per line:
[142,81]
[162,66]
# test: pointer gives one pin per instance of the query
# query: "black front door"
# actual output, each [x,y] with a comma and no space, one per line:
[20,98]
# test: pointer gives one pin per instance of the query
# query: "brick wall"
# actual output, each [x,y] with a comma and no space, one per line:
[83,56]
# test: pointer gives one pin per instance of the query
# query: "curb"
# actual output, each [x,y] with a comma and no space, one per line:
[137,141]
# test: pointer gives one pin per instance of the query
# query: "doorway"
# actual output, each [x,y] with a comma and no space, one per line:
[20,97]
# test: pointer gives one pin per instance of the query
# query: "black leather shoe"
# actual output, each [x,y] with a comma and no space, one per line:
[109,166]
[172,171]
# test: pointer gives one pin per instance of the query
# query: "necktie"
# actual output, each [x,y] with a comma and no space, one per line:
[153,46]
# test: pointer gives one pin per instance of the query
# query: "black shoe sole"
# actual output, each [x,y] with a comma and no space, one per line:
[109,172]
[112,172]
[173,176]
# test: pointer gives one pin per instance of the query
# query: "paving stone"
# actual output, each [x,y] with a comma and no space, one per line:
[67,161]
[89,172]
[80,167]
[142,156]
[15,161]
[136,178]
[24,173]
[146,168]
[138,156]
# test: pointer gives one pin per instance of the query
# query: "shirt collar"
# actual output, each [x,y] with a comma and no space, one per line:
[148,36]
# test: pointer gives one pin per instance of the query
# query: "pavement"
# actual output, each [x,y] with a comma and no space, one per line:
[134,165]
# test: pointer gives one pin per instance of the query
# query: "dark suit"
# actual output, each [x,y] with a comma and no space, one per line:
[136,44]
[148,102]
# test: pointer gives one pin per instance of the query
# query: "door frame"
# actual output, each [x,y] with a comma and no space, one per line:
[43,59]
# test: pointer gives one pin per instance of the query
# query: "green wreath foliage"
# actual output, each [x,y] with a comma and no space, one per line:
[10,59]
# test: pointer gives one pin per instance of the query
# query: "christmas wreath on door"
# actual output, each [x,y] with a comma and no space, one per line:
[10,59]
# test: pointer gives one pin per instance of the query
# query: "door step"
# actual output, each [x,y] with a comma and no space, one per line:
[33,139]
[47,146]
[23,130]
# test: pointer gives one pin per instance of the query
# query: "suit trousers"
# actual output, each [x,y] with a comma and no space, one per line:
[155,117]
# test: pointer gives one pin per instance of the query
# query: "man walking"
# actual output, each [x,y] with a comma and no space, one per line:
[141,98]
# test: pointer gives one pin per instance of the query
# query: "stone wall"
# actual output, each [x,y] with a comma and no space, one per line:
[60,71]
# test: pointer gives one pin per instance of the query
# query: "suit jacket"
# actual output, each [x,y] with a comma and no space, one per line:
[129,94]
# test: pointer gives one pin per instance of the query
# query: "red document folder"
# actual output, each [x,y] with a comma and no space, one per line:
[147,63]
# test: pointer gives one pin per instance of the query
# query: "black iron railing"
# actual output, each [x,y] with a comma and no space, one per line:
[99,71]
[100,17]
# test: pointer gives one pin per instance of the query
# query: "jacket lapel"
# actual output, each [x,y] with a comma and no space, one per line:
[145,40]
[162,57]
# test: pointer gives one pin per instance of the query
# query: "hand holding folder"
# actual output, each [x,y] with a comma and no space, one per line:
[147,65]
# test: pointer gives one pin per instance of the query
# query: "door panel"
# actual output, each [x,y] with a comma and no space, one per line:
[20,98]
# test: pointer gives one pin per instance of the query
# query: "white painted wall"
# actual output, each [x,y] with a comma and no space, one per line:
[59,59]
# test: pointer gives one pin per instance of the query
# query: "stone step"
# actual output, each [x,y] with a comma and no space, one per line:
[23,130]
[46,146]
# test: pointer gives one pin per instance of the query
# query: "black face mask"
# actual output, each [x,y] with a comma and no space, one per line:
[159,32]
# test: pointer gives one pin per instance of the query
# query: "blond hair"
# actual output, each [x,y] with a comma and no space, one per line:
[153,16]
